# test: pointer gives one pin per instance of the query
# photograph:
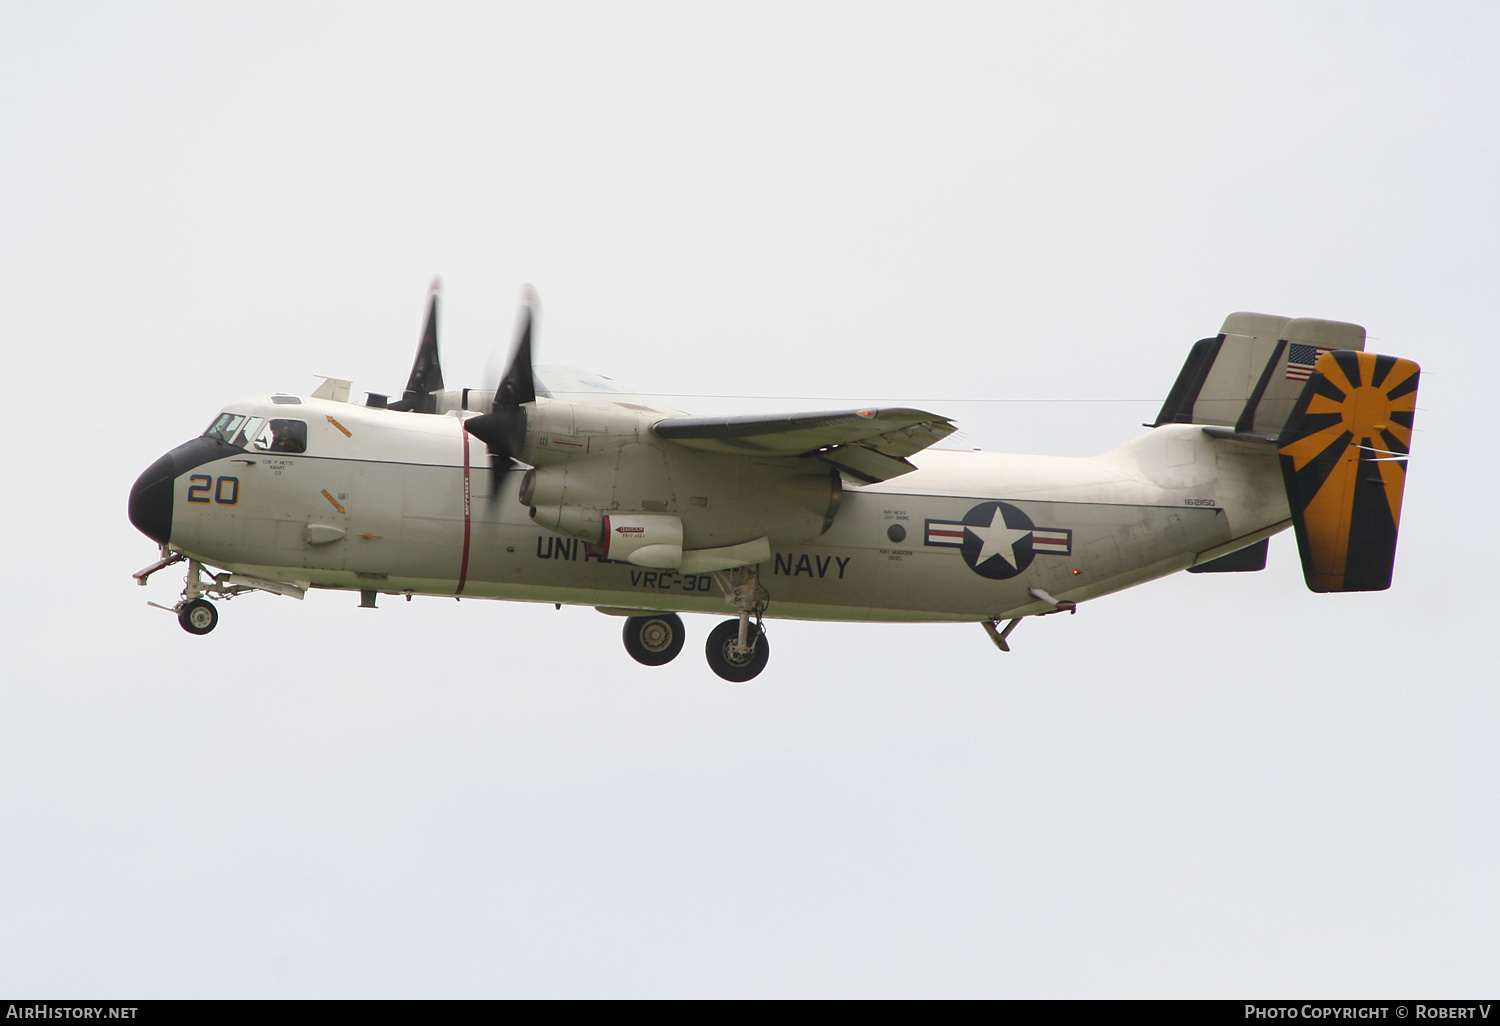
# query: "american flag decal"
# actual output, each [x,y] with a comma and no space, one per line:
[1300,359]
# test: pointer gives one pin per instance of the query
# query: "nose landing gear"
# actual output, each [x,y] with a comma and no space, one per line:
[198,616]
[195,613]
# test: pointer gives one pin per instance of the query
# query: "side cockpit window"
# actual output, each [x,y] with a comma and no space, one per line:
[282,436]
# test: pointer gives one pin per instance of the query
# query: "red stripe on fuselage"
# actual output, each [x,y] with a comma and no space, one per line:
[463,570]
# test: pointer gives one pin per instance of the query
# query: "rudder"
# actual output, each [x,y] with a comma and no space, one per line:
[1343,457]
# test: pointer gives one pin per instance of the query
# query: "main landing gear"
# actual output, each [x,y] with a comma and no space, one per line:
[733,659]
[737,649]
[654,640]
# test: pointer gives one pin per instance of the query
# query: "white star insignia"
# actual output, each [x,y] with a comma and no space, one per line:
[998,540]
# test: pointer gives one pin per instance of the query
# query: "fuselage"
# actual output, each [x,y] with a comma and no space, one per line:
[369,499]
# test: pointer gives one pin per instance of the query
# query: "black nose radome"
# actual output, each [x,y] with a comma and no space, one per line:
[151,496]
[151,500]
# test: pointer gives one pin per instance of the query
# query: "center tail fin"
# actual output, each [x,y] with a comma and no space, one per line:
[1248,377]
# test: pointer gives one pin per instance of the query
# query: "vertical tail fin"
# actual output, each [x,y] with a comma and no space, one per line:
[1249,376]
[1343,456]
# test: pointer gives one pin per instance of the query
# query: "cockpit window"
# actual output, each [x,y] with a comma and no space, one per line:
[248,431]
[224,426]
[282,436]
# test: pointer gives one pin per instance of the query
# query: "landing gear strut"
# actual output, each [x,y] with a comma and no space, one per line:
[738,650]
[195,613]
[654,640]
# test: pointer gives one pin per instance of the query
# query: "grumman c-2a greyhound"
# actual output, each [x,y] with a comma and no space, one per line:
[561,487]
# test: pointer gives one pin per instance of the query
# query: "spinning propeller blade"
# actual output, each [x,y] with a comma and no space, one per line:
[503,429]
[426,378]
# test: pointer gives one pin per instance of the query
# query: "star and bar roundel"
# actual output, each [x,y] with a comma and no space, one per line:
[998,540]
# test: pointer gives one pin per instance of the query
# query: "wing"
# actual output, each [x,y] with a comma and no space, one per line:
[868,445]
[571,385]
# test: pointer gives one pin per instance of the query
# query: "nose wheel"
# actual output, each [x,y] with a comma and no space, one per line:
[198,616]
[654,640]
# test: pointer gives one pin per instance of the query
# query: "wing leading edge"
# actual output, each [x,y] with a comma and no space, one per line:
[869,444]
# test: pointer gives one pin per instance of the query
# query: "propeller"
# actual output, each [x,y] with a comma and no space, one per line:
[503,429]
[426,378]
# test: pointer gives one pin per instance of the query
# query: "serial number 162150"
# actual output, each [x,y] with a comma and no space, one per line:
[1197,502]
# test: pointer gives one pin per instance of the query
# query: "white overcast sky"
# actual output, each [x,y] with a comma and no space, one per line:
[1206,786]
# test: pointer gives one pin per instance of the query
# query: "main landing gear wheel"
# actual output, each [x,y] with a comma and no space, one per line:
[654,640]
[737,666]
[198,617]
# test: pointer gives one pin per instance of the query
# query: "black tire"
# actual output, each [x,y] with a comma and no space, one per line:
[654,640]
[198,617]
[742,668]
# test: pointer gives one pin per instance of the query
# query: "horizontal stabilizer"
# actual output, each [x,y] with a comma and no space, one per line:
[1241,561]
[1343,456]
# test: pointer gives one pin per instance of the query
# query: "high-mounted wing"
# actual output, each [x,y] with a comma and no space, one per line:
[571,385]
[869,444]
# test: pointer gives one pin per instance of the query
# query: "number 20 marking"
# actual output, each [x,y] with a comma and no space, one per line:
[225,491]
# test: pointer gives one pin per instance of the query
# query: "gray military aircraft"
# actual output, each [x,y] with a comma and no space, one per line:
[558,486]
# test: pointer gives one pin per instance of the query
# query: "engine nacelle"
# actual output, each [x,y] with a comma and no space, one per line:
[559,431]
[544,486]
[645,539]
[574,521]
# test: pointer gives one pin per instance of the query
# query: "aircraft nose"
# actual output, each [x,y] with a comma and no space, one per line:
[151,500]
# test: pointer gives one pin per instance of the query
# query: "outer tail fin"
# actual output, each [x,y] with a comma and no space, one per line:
[1343,455]
[1248,377]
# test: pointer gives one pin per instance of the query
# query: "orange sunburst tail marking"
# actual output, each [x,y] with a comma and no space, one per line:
[1342,460]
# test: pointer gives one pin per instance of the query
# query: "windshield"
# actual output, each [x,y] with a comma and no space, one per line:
[224,426]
